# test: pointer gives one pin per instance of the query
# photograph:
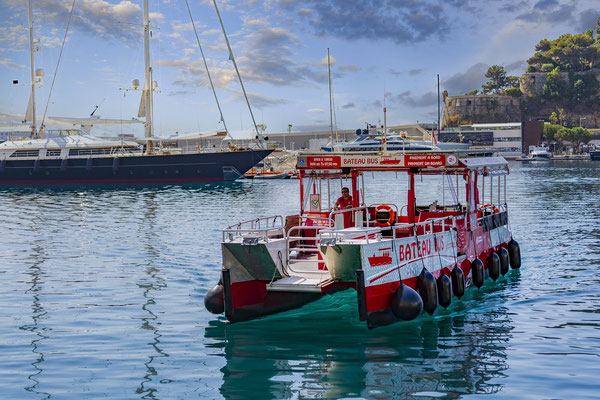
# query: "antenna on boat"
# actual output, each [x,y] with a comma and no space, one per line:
[331,100]
[384,127]
[438,104]
[207,71]
[232,58]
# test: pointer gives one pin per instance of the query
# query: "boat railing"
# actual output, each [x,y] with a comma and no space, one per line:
[430,226]
[265,228]
[302,241]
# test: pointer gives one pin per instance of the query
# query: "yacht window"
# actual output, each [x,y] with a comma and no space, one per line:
[89,152]
[25,153]
[53,153]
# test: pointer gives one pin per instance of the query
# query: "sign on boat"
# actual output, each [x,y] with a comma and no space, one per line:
[402,258]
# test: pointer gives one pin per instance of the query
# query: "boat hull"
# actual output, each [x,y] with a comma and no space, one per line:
[143,169]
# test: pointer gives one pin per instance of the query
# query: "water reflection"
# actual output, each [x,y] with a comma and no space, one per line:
[38,314]
[322,350]
[154,282]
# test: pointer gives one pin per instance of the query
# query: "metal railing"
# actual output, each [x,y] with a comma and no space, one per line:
[265,228]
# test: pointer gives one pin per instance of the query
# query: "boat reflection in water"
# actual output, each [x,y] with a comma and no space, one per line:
[322,351]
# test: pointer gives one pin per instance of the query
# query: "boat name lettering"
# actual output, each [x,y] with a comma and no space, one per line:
[361,161]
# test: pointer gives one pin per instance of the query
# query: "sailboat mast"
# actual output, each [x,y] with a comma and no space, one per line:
[149,131]
[31,50]
[330,105]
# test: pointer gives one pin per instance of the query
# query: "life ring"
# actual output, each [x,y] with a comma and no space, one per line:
[392,216]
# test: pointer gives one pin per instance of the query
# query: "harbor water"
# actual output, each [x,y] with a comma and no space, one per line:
[102,297]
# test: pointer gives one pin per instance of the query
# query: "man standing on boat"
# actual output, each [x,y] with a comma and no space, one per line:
[344,202]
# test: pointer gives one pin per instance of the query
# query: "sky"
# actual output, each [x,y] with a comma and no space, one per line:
[382,52]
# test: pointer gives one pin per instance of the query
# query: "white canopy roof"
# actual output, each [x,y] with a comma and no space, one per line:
[70,141]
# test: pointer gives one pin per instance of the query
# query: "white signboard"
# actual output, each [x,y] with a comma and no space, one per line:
[385,262]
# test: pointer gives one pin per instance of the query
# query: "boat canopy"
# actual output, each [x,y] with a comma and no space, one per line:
[70,141]
[423,162]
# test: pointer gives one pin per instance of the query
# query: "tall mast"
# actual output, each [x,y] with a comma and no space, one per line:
[330,105]
[32,98]
[149,131]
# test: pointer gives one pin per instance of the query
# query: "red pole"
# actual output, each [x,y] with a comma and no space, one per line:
[355,193]
[411,198]
[301,192]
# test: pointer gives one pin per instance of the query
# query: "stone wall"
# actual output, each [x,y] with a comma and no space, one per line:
[479,109]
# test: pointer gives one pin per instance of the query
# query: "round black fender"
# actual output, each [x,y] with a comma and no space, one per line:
[493,265]
[444,289]
[428,291]
[406,304]
[514,253]
[458,281]
[214,300]
[477,272]
[504,260]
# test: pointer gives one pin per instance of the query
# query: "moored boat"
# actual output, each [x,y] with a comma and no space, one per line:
[400,257]
[85,160]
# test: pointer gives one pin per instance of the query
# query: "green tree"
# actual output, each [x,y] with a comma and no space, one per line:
[472,92]
[498,81]
[550,131]
[580,136]
[554,88]
[569,52]
[553,118]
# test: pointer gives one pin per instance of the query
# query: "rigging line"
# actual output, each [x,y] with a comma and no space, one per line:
[56,70]
[212,86]
[232,58]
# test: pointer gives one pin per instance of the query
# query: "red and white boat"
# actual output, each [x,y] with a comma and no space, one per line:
[401,258]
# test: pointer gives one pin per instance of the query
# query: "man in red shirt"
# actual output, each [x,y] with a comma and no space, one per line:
[342,203]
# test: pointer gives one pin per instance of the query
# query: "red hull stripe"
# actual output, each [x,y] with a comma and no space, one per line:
[247,293]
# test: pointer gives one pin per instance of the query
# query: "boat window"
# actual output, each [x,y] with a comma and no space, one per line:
[89,152]
[53,153]
[25,153]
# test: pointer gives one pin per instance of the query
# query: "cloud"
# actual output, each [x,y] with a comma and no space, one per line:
[549,12]
[276,64]
[11,64]
[315,110]
[401,22]
[588,19]
[348,105]
[408,99]
[349,67]
[323,61]
[97,17]
[413,72]
[516,68]
[467,81]
[257,100]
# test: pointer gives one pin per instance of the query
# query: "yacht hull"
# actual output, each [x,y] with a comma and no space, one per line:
[153,169]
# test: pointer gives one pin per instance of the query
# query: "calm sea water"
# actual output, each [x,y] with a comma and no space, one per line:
[102,297]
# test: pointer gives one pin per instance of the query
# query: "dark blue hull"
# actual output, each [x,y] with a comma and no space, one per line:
[152,169]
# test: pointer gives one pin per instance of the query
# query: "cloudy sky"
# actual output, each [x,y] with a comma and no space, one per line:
[381,51]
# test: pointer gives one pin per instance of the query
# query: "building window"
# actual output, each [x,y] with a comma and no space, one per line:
[468,102]
[457,103]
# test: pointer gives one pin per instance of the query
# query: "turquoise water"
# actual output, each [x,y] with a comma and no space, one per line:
[102,297]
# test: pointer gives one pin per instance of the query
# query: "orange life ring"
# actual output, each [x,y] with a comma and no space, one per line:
[391,219]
